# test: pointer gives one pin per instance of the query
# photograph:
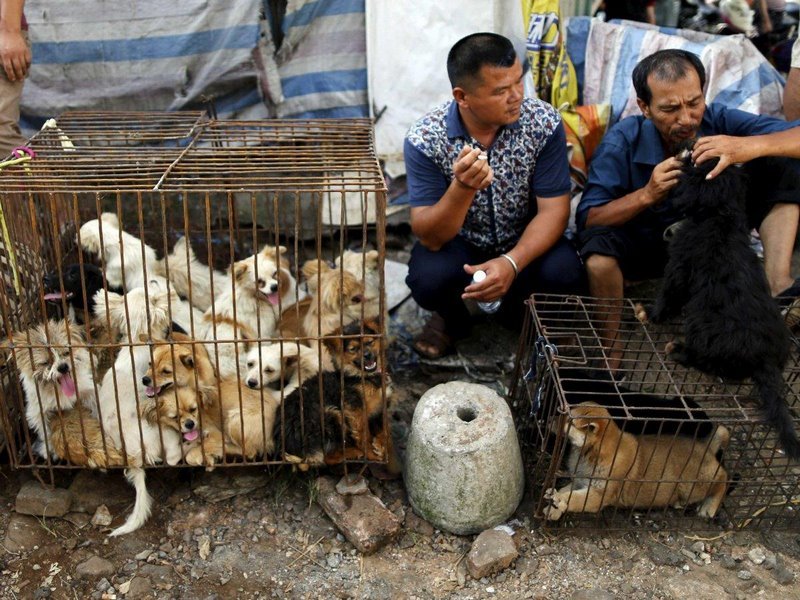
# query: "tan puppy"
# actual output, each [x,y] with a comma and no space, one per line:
[182,383]
[76,436]
[612,468]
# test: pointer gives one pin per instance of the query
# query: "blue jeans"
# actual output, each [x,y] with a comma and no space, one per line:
[437,280]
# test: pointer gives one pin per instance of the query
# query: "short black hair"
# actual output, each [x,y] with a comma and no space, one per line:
[469,54]
[665,65]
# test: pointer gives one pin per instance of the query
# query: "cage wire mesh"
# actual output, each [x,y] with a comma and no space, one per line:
[261,243]
[664,470]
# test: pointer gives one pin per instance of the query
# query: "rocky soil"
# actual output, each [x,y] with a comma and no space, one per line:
[260,532]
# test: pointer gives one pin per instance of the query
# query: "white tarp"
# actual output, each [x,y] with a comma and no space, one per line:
[407,46]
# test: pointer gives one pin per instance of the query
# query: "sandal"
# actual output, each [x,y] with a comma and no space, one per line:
[433,342]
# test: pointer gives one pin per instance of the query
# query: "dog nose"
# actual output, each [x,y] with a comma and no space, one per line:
[273,287]
[63,368]
[189,424]
[252,383]
[146,380]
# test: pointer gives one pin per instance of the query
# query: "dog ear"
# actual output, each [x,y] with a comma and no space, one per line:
[371,260]
[150,411]
[311,268]
[188,361]
[143,337]
[177,336]
[240,270]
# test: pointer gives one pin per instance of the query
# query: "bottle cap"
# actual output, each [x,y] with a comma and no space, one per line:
[478,276]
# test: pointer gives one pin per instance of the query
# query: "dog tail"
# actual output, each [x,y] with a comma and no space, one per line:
[772,390]
[142,507]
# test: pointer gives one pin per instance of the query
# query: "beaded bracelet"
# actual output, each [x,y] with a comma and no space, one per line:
[513,264]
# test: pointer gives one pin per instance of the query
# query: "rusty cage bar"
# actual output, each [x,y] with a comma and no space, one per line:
[563,362]
[229,188]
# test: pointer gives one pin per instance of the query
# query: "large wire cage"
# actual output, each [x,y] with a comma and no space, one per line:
[257,244]
[666,462]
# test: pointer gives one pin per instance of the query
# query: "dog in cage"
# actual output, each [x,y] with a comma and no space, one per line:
[214,417]
[262,286]
[612,468]
[75,286]
[338,415]
[77,436]
[55,370]
[127,260]
[283,366]
[193,280]
[732,326]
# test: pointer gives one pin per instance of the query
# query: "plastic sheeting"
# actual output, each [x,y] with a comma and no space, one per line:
[142,55]
[738,76]
[407,46]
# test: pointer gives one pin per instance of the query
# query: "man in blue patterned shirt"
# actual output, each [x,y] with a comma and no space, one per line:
[488,182]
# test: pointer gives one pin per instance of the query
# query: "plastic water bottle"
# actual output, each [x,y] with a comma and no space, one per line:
[487,307]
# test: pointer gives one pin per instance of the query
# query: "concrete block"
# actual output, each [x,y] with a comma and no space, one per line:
[463,469]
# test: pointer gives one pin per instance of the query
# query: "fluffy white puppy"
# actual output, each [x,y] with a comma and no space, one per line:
[284,365]
[187,274]
[127,260]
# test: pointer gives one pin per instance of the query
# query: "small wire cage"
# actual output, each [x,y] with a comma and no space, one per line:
[670,459]
[213,224]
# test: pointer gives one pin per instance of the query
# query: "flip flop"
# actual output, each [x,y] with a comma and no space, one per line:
[433,342]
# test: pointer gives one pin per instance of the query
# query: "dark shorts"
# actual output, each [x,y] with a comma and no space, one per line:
[639,246]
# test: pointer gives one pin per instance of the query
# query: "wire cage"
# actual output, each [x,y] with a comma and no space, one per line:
[655,445]
[140,248]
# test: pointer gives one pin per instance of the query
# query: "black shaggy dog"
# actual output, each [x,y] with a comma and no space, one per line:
[75,277]
[732,326]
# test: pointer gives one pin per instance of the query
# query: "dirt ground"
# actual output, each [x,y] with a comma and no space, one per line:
[259,533]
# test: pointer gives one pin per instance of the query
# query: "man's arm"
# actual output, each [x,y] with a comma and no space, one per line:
[621,210]
[539,236]
[732,150]
[14,53]
[437,224]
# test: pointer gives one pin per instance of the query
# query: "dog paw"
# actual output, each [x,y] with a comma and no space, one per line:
[549,493]
[641,312]
[552,513]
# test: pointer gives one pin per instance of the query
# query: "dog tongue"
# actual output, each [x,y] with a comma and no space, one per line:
[53,296]
[67,385]
[273,298]
[190,436]
[151,391]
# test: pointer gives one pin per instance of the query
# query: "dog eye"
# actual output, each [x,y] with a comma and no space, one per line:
[275,275]
[356,299]
[166,371]
[251,364]
[269,370]
[261,282]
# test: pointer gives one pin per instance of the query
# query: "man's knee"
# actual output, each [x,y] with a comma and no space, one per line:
[601,267]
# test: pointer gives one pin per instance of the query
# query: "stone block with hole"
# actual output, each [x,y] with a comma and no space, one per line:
[463,469]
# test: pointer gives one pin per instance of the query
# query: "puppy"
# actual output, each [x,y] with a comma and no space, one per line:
[612,468]
[364,265]
[56,374]
[75,279]
[732,326]
[183,316]
[78,438]
[243,417]
[262,285]
[338,414]
[140,316]
[337,299]
[127,260]
[193,280]
[286,365]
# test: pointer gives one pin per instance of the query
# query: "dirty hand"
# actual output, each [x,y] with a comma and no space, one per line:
[663,179]
[499,277]
[471,169]
[728,148]
[14,54]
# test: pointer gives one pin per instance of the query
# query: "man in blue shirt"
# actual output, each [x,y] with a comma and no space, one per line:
[625,209]
[488,182]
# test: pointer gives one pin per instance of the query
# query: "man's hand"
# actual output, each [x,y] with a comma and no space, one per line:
[730,150]
[663,179]
[499,277]
[471,169]
[14,53]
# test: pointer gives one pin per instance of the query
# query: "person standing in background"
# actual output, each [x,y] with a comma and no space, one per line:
[15,55]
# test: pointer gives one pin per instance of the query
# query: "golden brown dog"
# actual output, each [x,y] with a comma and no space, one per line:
[613,468]
[214,417]
[76,436]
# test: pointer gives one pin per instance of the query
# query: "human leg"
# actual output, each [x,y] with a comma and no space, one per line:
[437,280]
[10,134]
[772,207]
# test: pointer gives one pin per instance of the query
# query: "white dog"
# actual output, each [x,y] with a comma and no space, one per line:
[184,270]
[181,312]
[127,260]
[137,315]
[262,286]
[288,364]
[55,370]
